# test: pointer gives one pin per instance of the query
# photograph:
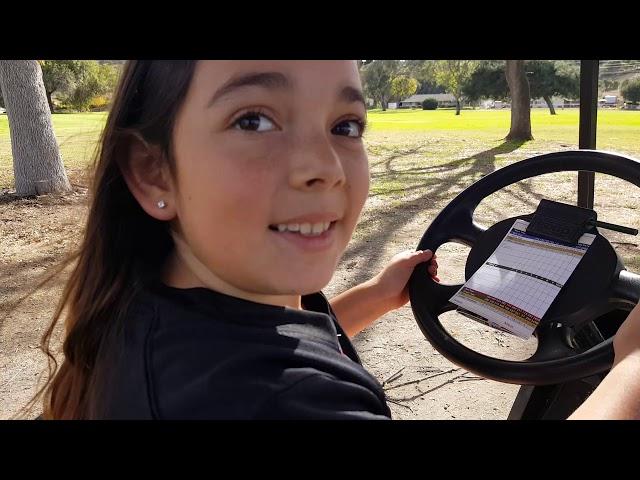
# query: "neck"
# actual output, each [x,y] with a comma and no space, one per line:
[185,270]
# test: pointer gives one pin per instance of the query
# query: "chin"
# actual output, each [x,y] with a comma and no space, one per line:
[305,283]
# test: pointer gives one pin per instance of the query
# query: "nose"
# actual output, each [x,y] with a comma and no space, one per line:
[315,164]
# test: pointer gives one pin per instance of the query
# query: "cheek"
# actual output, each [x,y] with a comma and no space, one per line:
[357,190]
[225,194]
[357,173]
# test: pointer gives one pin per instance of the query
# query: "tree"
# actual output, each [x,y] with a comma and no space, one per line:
[60,76]
[403,86]
[520,101]
[424,72]
[608,85]
[487,81]
[37,165]
[452,75]
[377,77]
[78,82]
[631,90]
[547,78]
[93,80]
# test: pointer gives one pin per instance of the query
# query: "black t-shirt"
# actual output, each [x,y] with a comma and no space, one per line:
[198,354]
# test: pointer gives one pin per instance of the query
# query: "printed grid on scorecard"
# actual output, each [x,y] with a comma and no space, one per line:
[518,283]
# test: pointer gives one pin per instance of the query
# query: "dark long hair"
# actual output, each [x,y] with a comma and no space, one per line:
[123,248]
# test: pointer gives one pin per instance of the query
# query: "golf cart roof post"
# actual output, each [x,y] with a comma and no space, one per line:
[588,122]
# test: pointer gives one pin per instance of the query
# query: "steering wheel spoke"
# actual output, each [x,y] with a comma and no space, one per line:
[626,288]
[554,343]
[444,293]
[469,233]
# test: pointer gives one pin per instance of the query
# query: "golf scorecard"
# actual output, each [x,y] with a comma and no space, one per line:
[519,281]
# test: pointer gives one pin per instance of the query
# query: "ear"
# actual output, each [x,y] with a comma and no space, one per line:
[146,173]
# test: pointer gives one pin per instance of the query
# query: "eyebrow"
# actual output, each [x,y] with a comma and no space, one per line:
[276,81]
[352,95]
[269,80]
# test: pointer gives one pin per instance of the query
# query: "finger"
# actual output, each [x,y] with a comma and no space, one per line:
[419,256]
[425,254]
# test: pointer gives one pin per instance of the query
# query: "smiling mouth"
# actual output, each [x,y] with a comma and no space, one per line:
[303,229]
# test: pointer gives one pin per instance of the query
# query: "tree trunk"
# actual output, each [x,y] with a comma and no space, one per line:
[37,165]
[457,106]
[550,105]
[520,101]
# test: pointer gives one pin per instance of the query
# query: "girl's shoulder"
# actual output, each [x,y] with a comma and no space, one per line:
[201,354]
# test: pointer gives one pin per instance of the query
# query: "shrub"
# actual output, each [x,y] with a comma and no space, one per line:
[430,104]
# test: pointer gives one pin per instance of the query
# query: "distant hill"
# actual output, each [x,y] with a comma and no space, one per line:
[615,71]
[619,69]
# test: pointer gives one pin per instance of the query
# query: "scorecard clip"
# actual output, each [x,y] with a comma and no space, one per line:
[561,222]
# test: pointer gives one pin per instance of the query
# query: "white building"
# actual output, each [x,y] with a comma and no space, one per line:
[443,99]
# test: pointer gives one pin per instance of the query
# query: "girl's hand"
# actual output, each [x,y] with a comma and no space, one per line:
[392,281]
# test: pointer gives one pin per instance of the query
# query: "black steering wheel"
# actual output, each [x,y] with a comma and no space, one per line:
[600,283]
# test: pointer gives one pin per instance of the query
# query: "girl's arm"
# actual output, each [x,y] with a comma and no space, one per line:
[361,305]
[618,395]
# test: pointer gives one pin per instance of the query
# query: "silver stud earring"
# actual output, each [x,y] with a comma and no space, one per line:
[161,204]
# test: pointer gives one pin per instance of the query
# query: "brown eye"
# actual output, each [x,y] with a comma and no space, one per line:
[349,128]
[254,122]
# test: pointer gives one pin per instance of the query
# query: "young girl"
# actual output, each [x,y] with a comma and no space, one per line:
[225,194]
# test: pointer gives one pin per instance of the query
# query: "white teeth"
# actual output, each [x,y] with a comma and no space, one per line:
[306,229]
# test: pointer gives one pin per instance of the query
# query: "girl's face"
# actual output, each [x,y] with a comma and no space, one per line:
[271,172]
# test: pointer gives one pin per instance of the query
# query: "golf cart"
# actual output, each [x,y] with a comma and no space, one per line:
[575,336]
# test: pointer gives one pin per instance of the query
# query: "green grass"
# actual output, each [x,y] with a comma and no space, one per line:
[617,129]
[77,135]
[403,142]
